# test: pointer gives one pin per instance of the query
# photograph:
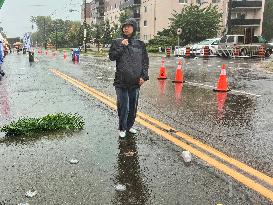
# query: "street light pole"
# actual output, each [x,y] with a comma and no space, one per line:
[84,26]
[56,37]
[45,41]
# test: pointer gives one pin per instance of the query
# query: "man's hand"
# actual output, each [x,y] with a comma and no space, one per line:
[141,81]
[125,42]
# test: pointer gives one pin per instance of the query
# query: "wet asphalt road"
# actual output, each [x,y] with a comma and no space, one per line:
[238,124]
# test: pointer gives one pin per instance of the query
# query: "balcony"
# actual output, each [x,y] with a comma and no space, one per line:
[246,22]
[246,4]
[130,3]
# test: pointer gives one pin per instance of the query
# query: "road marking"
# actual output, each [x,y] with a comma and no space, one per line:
[233,173]
[203,146]
[231,91]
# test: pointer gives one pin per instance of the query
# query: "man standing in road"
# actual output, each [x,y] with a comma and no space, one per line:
[1,58]
[132,65]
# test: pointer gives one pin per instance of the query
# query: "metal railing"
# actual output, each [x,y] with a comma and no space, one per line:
[246,4]
[247,22]
[130,3]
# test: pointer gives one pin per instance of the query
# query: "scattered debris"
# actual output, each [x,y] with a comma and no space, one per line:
[129,154]
[74,161]
[31,194]
[186,156]
[51,122]
[120,187]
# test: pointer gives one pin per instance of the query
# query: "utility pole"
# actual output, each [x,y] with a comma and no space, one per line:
[84,27]
[45,41]
[56,36]
[228,25]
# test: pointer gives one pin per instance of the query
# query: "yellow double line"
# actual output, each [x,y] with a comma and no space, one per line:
[162,129]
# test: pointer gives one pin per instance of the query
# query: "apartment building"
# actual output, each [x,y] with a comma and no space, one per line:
[86,11]
[112,10]
[239,14]
[246,14]
[153,15]
[97,11]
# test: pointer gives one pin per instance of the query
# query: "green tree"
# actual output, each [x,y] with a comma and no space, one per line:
[107,36]
[97,33]
[116,29]
[64,33]
[44,27]
[164,39]
[124,15]
[268,23]
[196,23]
[81,34]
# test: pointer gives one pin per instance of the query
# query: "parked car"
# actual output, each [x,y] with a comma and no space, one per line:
[212,43]
[271,43]
[197,48]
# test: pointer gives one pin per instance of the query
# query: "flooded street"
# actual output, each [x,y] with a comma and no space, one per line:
[147,168]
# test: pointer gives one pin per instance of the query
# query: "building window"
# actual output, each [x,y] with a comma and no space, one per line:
[183,1]
[145,37]
[145,23]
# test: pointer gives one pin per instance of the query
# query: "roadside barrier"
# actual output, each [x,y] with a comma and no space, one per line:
[162,71]
[65,55]
[236,51]
[188,52]
[168,52]
[206,52]
[261,52]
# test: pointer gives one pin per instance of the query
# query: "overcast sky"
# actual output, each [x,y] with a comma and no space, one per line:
[15,14]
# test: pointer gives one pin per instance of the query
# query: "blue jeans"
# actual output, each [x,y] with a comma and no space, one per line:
[127,101]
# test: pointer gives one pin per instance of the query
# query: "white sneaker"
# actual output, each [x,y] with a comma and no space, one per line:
[122,134]
[133,131]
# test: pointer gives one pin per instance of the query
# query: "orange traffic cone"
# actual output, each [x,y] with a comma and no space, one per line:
[65,55]
[222,85]
[162,71]
[178,74]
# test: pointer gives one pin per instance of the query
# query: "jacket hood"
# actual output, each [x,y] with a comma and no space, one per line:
[130,21]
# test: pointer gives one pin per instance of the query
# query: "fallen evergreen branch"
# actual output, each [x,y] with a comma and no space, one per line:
[52,122]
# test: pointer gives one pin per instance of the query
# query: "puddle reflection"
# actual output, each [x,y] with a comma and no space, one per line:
[129,174]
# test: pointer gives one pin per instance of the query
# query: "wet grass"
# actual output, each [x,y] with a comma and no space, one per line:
[52,122]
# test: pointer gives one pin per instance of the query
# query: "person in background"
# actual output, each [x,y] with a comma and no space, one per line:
[2,55]
[132,65]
